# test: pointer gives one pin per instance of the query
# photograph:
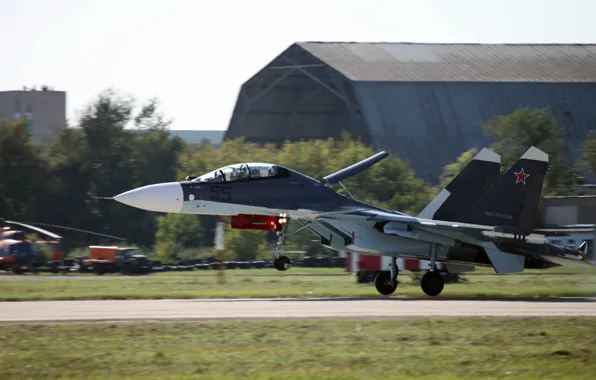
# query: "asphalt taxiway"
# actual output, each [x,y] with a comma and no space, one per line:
[219,309]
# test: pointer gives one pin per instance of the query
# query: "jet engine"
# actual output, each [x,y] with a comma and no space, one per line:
[258,222]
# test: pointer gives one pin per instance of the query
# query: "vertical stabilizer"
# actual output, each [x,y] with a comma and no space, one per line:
[466,188]
[513,200]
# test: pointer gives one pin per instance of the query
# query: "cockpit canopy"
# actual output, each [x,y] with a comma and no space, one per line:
[242,172]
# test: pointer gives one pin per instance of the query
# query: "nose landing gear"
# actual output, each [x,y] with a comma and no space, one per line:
[281,262]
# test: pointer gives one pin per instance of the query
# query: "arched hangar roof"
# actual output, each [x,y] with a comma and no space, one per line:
[425,103]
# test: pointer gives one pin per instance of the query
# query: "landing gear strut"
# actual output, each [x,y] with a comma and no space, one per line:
[432,282]
[386,281]
[281,263]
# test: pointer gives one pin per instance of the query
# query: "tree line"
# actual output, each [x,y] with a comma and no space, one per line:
[116,145]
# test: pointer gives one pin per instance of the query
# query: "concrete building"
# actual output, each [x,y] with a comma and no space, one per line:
[44,108]
[426,103]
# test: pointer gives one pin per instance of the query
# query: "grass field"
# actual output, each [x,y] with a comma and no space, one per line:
[471,348]
[301,271]
[270,283]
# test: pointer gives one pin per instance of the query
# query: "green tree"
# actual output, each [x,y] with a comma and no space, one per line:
[175,232]
[22,172]
[245,244]
[112,148]
[527,127]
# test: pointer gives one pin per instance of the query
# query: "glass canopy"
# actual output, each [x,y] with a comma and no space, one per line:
[238,172]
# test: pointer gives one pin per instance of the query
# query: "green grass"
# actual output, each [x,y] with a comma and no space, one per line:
[438,349]
[284,284]
[299,271]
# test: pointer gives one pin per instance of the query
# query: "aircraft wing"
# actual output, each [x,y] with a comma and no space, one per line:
[383,216]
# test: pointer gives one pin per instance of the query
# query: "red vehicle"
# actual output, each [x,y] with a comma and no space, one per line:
[17,252]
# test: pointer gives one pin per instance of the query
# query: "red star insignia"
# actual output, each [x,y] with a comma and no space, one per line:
[521,176]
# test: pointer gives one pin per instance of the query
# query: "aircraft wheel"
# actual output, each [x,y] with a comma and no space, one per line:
[383,283]
[282,263]
[432,283]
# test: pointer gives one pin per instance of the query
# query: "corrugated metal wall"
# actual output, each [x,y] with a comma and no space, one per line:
[431,124]
[569,210]
[279,104]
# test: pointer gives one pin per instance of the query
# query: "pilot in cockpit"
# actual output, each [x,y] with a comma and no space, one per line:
[255,173]
[217,177]
[243,172]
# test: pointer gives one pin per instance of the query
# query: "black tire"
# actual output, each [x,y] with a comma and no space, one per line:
[99,269]
[382,283]
[283,263]
[432,283]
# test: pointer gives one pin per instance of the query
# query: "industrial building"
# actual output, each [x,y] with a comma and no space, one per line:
[44,108]
[425,103]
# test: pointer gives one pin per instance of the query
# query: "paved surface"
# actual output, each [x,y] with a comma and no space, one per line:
[53,311]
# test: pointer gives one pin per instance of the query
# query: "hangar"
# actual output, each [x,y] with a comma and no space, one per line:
[425,103]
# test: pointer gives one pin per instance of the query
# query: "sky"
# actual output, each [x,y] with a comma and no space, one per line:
[193,55]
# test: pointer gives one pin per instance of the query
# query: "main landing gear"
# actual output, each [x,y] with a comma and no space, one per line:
[432,282]
[386,281]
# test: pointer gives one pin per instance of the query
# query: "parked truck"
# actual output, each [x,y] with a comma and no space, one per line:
[114,259]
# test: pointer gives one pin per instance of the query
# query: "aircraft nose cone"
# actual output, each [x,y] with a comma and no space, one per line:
[161,197]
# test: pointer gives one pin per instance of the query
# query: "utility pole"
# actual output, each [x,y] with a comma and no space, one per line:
[219,248]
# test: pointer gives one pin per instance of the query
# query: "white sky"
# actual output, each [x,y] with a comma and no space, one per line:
[194,54]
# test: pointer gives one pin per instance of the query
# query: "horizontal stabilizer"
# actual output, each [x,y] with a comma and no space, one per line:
[357,168]
[504,262]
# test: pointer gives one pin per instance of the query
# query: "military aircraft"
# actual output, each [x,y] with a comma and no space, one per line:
[478,219]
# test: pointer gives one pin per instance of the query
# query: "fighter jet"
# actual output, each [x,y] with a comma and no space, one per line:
[478,219]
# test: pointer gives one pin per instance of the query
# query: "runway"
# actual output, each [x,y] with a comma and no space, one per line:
[219,309]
